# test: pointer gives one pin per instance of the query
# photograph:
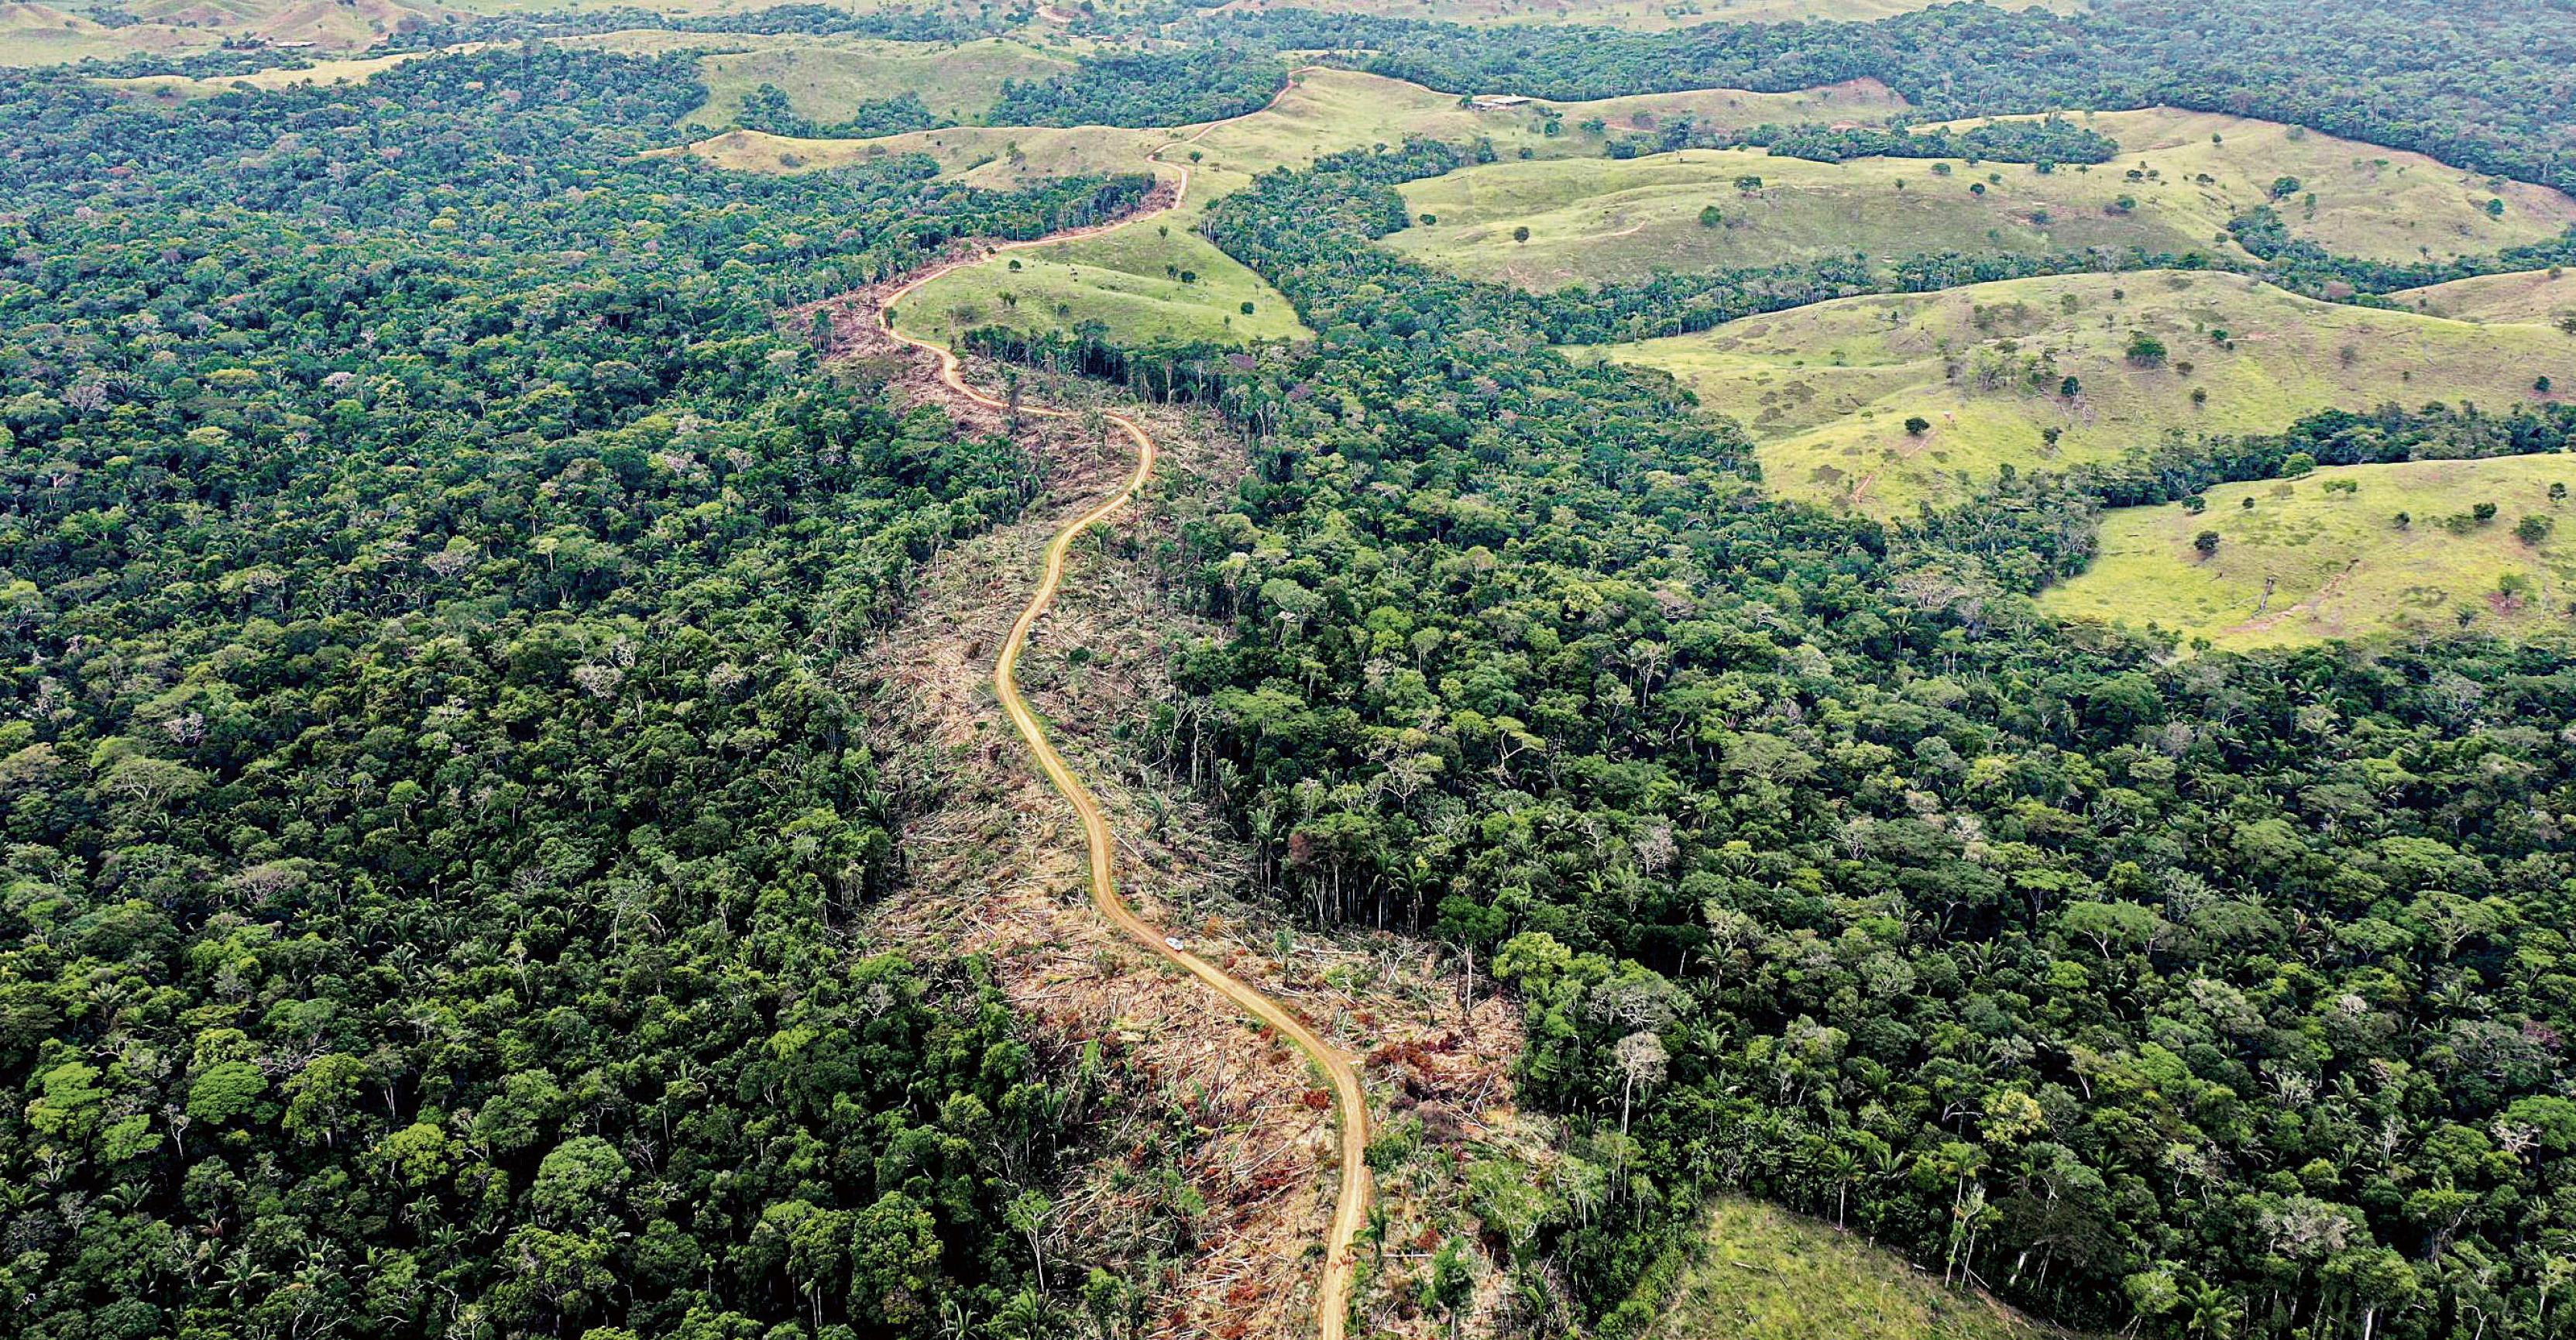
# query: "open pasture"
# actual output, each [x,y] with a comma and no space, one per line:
[1884,403]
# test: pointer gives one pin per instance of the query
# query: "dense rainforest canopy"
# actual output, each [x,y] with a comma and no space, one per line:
[432,782]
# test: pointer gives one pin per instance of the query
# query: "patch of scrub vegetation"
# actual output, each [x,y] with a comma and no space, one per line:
[1888,402]
[2546,296]
[2179,180]
[1127,275]
[2356,551]
[1762,1273]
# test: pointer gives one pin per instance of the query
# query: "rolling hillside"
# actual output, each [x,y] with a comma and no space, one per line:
[824,78]
[2545,296]
[1593,221]
[34,34]
[1128,277]
[2310,561]
[1828,390]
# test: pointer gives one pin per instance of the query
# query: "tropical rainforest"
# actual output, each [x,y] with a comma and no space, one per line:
[441,830]
[435,806]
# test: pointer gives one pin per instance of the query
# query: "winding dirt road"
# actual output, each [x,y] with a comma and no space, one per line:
[1351,1199]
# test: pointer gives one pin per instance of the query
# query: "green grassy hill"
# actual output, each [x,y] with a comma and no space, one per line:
[1117,278]
[1771,1275]
[1593,221]
[1128,278]
[823,79]
[1828,390]
[1125,276]
[2545,296]
[2335,563]
[2353,198]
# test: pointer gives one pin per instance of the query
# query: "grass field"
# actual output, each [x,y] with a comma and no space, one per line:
[1772,1275]
[1126,277]
[2371,202]
[999,157]
[1641,15]
[1597,220]
[2545,296]
[1827,390]
[2335,563]
[824,78]
[1116,278]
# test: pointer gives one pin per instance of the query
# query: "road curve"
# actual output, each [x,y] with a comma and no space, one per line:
[1351,1198]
